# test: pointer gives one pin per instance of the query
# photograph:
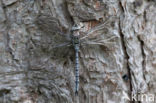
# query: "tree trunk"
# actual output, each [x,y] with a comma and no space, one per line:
[119,70]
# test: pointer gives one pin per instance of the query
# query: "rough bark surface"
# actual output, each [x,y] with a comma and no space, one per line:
[31,71]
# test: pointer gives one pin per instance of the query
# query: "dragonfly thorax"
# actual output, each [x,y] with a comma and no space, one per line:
[75,40]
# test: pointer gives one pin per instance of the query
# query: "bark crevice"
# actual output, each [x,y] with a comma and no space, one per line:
[143,56]
[126,58]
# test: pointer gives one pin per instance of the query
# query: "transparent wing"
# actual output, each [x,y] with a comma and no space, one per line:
[61,45]
[100,35]
[51,26]
[100,41]
[97,28]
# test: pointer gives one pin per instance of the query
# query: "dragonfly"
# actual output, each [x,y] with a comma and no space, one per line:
[76,40]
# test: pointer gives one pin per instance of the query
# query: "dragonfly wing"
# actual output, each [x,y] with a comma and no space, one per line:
[101,35]
[100,41]
[96,43]
[96,30]
[107,44]
[61,45]
[51,25]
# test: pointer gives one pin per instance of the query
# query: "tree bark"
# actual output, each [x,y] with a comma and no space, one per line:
[32,71]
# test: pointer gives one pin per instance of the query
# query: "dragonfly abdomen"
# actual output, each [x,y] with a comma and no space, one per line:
[76,68]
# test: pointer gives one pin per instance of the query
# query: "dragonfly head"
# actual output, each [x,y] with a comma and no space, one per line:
[75,34]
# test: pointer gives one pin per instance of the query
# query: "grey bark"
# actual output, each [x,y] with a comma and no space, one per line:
[31,71]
